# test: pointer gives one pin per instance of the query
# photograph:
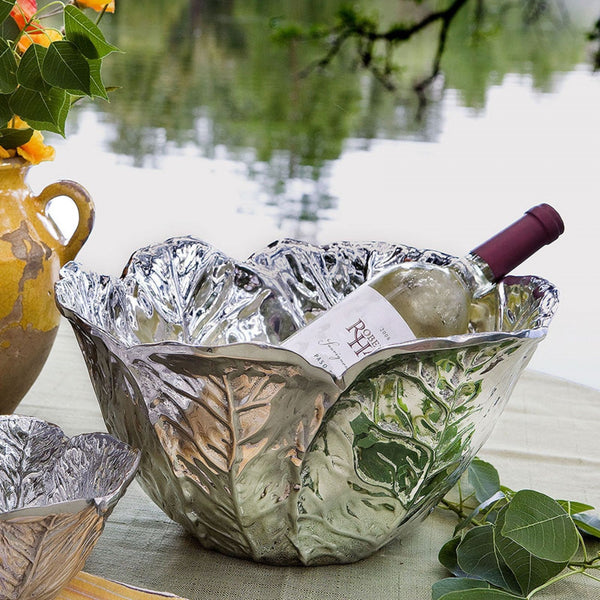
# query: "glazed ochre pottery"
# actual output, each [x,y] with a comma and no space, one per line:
[32,250]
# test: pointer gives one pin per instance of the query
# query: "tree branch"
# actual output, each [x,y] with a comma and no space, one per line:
[365,31]
[446,16]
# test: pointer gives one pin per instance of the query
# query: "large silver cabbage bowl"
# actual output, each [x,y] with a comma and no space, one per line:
[55,496]
[260,454]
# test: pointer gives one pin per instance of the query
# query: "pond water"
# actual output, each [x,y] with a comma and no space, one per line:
[220,129]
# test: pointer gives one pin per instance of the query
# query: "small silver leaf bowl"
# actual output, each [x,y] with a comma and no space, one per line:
[255,451]
[55,495]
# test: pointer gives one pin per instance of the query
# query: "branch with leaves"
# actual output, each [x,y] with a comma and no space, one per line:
[512,545]
[352,25]
[375,44]
[44,70]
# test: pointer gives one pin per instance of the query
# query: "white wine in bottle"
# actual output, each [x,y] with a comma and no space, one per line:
[419,300]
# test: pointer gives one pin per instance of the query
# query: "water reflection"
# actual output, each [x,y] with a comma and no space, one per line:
[210,74]
[219,80]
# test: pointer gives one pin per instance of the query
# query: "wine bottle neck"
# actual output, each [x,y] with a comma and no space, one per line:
[475,273]
[506,250]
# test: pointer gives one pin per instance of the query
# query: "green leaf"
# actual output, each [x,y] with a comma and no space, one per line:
[589,523]
[13,138]
[540,525]
[451,584]
[29,73]
[447,556]
[574,508]
[97,88]
[41,110]
[8,68]
[9,30]
[42,125]
[6,113]
[475,594]
[85,34]
[529,570]
[484,479]
[66,67]
[478,556]
[5,7]
[490,515]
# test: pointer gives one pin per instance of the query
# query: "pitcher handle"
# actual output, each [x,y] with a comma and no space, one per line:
[68,249]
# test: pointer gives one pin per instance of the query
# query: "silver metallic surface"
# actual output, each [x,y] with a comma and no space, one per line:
[55,495]
[260,454]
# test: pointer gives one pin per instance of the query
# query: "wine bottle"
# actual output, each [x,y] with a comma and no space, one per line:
[418,300]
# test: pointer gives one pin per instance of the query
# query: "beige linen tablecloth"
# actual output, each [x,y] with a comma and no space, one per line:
[548,439]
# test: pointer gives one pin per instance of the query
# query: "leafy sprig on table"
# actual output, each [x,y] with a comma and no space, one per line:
[511,545]
[43,71]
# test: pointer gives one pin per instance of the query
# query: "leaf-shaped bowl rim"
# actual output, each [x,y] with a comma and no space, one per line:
[265,351]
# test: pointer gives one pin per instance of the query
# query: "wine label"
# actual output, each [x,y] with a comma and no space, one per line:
[361,323]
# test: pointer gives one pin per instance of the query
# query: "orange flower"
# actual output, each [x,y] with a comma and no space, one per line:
[23,11]
[33,32]
[40,35]
[34,151]
[7,153]
[97,5]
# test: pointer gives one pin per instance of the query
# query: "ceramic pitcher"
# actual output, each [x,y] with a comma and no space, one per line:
[32,251]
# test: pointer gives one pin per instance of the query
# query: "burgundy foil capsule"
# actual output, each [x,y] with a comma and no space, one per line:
[506,250]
